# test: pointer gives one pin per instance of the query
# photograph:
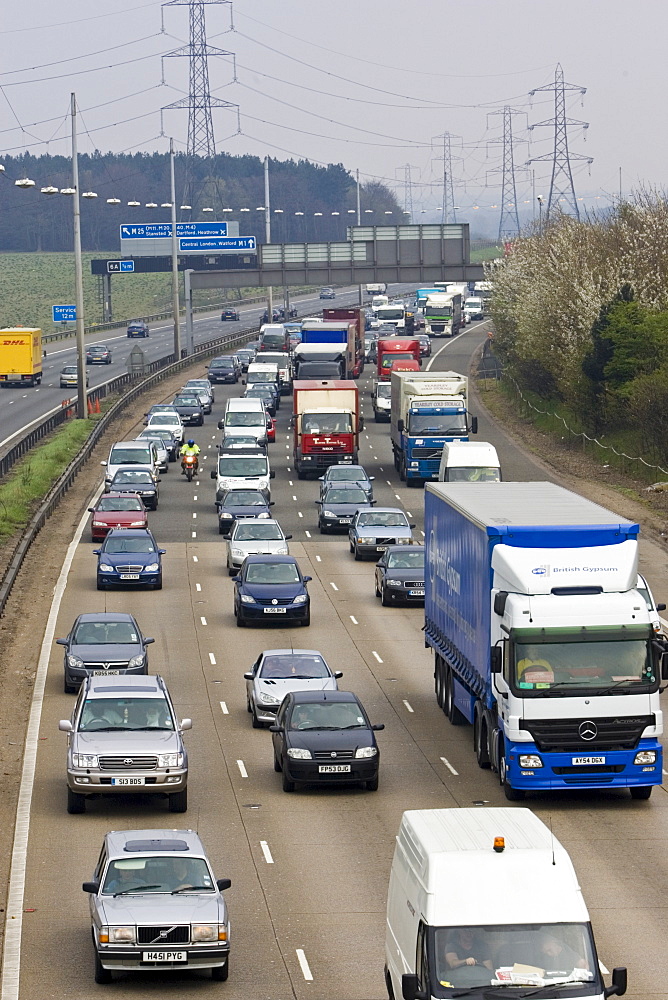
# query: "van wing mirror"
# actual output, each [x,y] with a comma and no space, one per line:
[474,425]
[618,986]
[400,426]
[410,988]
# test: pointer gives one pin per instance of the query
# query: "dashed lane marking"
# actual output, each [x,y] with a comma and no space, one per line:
[353,619]
[306,971]
[212,659]
[267,853]
[202,619]
[333,585]
[408,705]
[449,766]
[376,655]
[242,769]
[224,708]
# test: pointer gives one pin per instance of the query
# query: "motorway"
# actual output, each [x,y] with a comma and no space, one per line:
[310,869]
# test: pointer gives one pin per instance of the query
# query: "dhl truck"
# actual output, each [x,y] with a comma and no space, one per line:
[20,356]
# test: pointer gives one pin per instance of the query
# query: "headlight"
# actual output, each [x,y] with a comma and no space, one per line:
[300,599]
[126,934]
[74,661]
[225,517]
[152,568]
[298,754]
[267,699]
[403,541]
[263,514]
[394,583]
[84,759]
[105,568]
[205,932]
[415,465]
[136,661]
[247,599]
[99,524]
[645,757]
[237,552]
[366,752]
[136,524]
[170,760]
[329,513]
[530,760]
[366,541]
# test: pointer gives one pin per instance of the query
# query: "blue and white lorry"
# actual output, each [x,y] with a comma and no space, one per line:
[540,638]
[428,409]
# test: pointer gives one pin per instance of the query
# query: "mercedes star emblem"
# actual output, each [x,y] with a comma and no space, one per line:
[587,730]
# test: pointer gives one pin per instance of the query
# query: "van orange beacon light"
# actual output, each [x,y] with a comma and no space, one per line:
[499,844]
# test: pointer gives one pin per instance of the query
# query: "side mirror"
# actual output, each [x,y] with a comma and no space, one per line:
[147,641]
[223,883]
[495,659]
[288,537]
[91,510]
[96,552]
[272,474]
[307,579]
[618,983]
[103,463]
[221,424]
[378,728]
[213,473]
[338,673]
[275,729]
[410,988]
[248,676]
[236,579]
[185,724]
[162,551]
[659,607]
[411,526]
[474,425]
[271,503]
[61,642]
[65,726]
[400,426]
[91,887]
[372,502]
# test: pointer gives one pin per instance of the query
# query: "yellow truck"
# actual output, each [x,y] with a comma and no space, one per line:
[20,356]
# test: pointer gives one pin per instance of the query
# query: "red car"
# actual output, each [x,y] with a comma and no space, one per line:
[271,429]
[117,510]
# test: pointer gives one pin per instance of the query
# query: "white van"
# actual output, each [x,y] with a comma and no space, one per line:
[242,470]
[469,462]
[245,416]
[378,301]
[484,898]
[131,453]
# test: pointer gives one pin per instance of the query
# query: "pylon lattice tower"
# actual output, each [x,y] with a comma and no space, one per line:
[509,222]
[199,101]
[562,189]
[408,191]
[448,201]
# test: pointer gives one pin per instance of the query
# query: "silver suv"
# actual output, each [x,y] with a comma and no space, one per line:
[155,904]
[124,737]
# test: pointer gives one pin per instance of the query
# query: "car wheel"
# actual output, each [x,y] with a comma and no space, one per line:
[255,722]
[178,801]
[323,530]
[101,586]
[68,688]
[307,621]
[158,585]
[240,622]
[232,571]
[221,532]
[219,973]
[512,794]
[377,590]
[384,599]
[277,765]
[288,786]
[75,803]
[358,555]
[372,784]
[102,975]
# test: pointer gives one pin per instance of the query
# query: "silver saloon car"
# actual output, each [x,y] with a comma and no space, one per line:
[278,671]
[255,537]
[155,905]
[373,530]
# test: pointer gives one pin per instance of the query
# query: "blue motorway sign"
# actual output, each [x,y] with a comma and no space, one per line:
[120,266]
[64,314]
[163,230]
[217,245]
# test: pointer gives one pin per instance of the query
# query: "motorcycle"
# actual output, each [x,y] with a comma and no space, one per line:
[190,465]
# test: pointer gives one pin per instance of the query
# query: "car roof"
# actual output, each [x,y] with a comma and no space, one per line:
[138,685]
[160,841]
[131,533]
[254,521]
[292,652]
[262,558]
[344,484]
[405,548]
[106,616]
[125,444]
[113,495]
[320,696]
[344,465]
[388,510]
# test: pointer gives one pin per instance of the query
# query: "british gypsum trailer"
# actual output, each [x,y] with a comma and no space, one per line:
[540,638]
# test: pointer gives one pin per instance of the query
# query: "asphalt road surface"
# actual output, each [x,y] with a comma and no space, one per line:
[310,869]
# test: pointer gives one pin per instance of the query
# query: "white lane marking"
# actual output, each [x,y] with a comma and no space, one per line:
[449,765]
[212,659]
[195,559]
[289,482]
[195,497]
[202,619]
[11,401]
[213,437]
[224,708]
[306,971]
[12,945]
[287,446]
[194,514]
[366,436]
[194,534]
[409,513]
[198,587]
[381,469]
[353,619]
[294,497]
[289,469]
[267,853]
[307,532]
[318,559]
[397,496]
[388,482]
[408,705]
[376,655]
[333,586]
[422,532]
[299,514]
[242,769]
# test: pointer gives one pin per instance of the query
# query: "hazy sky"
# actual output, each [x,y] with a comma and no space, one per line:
[361,82]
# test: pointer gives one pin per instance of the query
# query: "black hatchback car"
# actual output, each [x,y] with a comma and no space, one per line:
[229,315]
[137,328]
[102,644]
[241,505]
[325,737]
[339,504]
[223,370]
[400,575]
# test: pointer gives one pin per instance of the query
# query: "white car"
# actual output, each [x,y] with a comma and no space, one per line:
[169,419]
[255,537]
[276,672]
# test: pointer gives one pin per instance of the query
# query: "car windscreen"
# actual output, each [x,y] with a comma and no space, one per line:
[238,466]
[437,423]
[260,377]
[389,359]
[328,715]
[128,476]
[245,418]
[406,560]
[157,874]
[157,432]
[244,498]
[103,633]
[119,503]
[384,390]
[257,531]
[186,401]
[270,573]
[69,370]
[130,456]
[129,714]
[346,473]
[327,423]
[222,363]
[168,419]
[298,666]
[382,519]
[345,496]
[124,544]
[477,474]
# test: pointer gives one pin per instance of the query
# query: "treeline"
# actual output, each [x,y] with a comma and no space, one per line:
[581,318]
[33,221]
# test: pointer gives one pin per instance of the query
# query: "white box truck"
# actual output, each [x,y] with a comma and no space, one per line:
[486,899]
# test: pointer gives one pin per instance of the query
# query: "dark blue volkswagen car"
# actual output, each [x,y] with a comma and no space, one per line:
[270,588]
[129,558]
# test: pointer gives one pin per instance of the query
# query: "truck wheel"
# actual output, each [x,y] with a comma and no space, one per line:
[402,472]
[641,792]
[439,683]
[376,418]
[388,985]
[480,741]
[300,474]
[512,794]
[384,599]
[454,715]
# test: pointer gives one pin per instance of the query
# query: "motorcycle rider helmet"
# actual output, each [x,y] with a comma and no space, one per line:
[191,443]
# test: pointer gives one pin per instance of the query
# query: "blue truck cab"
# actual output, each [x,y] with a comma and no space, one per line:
[541,640]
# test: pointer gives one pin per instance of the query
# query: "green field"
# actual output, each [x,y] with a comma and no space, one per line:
[30,283]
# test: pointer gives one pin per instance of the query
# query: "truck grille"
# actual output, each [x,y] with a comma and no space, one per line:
[590,769]
[434,453]
[565,734]
[130,762]
[129,569]
[163,935]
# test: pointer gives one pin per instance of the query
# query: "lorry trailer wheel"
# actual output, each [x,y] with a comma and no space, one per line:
[454,715]
[641,791]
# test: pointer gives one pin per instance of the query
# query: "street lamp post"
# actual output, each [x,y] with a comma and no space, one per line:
[267,235]
[175,259]
[82,396]
[540,214]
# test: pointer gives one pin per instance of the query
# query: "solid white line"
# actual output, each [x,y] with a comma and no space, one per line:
[203,620]
[224,707]
[212,659]
[267,853]
[242,769]
[195,559]
[14,923]
[333,586]
[449,765]
[408,705]
[376,655]
[353,619]
[306,972]
[606,972]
